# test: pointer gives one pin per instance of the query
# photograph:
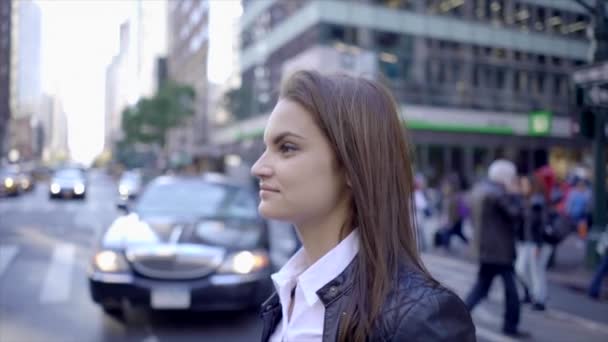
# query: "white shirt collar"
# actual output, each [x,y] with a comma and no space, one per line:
[324,270]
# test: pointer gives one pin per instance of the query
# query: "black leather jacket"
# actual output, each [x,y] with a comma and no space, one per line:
[417,310]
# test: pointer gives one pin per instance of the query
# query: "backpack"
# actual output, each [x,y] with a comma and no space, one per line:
[558,228]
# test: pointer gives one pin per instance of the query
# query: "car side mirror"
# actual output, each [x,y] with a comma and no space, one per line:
[123,206]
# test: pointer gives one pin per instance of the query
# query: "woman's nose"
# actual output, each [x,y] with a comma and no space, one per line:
[260,168]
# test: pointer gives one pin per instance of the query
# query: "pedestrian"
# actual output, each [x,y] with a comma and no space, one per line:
[338,167]
[455,210]
[595,288]
[578,205]
[422,210]
[496,212]
[533,252]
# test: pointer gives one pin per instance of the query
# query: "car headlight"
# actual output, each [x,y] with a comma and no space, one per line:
[79,189]
[245,262]
[55,188]
[110,261]
[123,190]
[9,182]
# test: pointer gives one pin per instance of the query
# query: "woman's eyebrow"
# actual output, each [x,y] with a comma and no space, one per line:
[284,135]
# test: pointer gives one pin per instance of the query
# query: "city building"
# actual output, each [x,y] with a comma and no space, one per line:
[25,85]
[53,136]
[188,38]
[5,72]
[119,81]
[133,73]
[476,79]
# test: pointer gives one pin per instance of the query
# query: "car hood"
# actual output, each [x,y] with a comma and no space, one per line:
[67,182]
[133,231]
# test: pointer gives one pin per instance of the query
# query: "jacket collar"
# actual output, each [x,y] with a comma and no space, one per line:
[335,288]
[328,293]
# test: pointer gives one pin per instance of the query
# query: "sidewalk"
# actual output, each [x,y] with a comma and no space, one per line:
[570,270]
[568,281]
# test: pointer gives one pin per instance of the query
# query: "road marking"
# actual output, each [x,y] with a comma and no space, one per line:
[492,336]
[588,324]
[58,280]
[7,254]
[151,338]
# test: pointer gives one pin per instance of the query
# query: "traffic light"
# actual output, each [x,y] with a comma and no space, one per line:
[585,119]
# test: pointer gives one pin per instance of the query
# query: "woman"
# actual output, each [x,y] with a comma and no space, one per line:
[337,166]
[533,252]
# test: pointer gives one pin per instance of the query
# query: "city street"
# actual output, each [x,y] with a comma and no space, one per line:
[45,247]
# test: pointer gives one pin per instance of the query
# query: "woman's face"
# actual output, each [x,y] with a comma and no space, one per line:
[299,176]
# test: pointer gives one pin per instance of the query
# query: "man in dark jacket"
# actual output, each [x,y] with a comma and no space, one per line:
[496,213]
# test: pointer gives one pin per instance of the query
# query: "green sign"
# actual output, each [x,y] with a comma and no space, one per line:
[539,123]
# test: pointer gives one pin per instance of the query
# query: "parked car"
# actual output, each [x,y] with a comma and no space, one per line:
[10,182]
[129,185]
[68,183]
[185,243]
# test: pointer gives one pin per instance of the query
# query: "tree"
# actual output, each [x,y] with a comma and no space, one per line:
[150,119]
[238,102]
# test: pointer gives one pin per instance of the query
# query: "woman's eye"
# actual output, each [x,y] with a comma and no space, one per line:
[286,148]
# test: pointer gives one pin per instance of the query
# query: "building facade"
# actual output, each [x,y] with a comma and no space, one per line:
[5,72]
[188,45]
[24,74]
[476,79]
[119,85]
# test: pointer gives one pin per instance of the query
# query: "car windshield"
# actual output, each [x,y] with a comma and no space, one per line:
[68,174]
[7,173]
[197,199]
[133,178]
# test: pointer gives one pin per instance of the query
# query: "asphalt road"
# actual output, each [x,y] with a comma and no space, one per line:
[45,248]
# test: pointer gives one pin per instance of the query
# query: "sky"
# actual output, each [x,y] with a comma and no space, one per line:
[79,39]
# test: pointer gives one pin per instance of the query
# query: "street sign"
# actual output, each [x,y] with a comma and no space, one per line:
[594,73]
[598,96]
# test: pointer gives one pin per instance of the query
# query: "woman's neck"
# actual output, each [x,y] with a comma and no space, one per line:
[321,235]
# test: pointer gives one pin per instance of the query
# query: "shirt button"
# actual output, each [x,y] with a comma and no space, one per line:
[332,291]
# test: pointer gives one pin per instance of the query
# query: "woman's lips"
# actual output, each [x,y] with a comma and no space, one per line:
[268,188]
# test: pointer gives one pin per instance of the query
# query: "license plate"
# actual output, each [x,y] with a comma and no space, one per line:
[170,298]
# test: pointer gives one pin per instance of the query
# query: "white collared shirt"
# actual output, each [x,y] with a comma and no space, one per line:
[308,314]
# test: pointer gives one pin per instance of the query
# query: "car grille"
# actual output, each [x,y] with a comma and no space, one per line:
[175,262]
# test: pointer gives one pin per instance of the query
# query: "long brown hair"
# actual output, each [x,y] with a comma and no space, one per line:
[360,119]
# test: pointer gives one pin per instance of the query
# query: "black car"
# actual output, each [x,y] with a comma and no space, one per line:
[186,243]
[9,182]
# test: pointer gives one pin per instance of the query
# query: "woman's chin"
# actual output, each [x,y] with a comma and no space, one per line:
[271,213]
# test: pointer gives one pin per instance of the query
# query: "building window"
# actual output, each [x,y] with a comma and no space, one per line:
[517,55]
[500,78]
[386,40]
[541,59]
[540,83]
[556,61]
[523,81]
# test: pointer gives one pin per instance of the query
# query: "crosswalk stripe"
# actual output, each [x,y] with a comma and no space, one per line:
[492,336]
[7,253]
[57,283]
